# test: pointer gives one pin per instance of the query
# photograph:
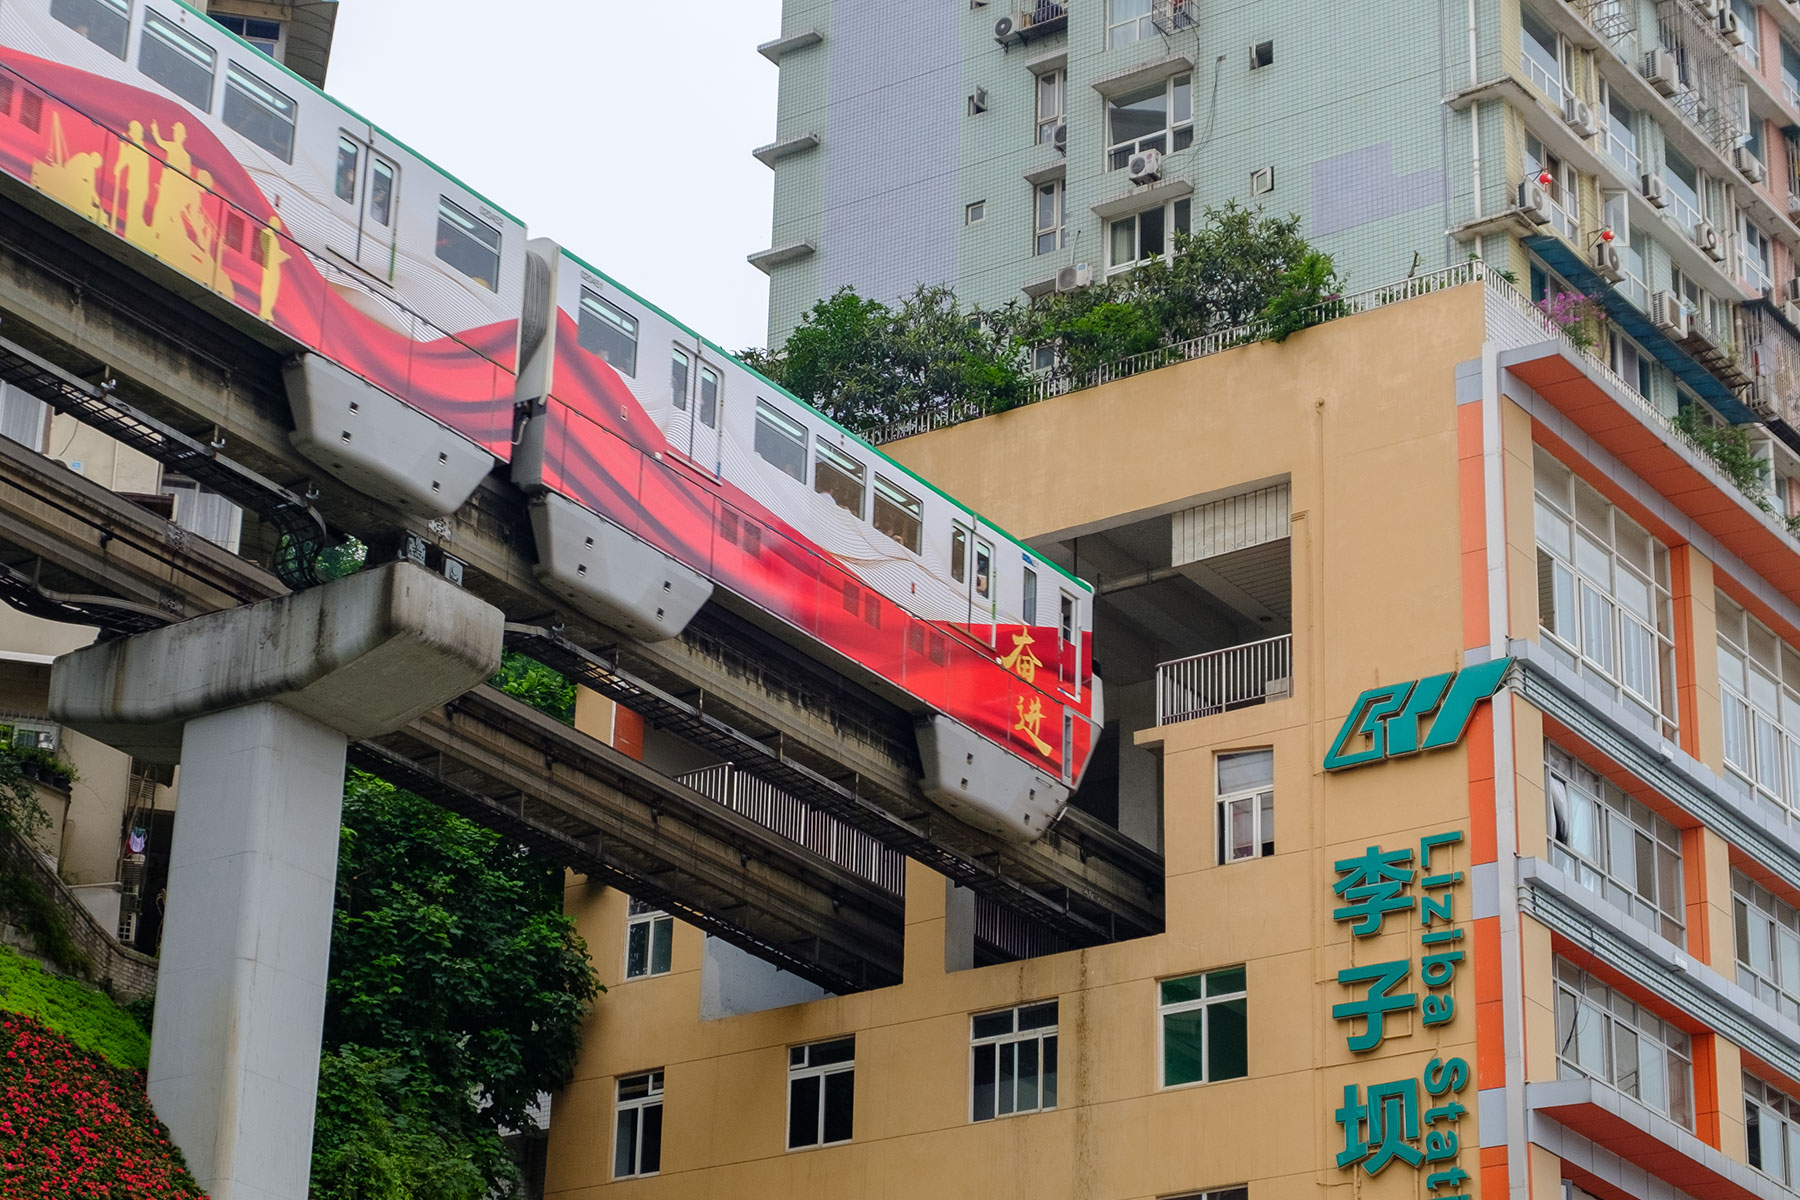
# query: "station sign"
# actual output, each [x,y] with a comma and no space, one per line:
[1385,721]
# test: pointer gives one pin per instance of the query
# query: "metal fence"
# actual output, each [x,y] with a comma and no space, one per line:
[801,823]
[1224,679]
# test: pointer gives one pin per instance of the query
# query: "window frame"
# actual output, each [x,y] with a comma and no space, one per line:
[655,921]
[275,49]
[1758,695]
[916,515]
[1776,917]
[1045,1039]
[1047,121]
[1617,817]
[1058,194]
[610,322]
[975,212]
[119,10]
[680,360]
[1177,216]
[171,36]
[240,81]
[823,454]
[1260,799]
[1581,991]
[653,1097]
[448,211]
[1761,1096]
[1140,24]
[1176,134]
[806,1069]
[1203,1004]
[792,433]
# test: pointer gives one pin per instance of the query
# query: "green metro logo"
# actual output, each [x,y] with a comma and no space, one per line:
[1389,716]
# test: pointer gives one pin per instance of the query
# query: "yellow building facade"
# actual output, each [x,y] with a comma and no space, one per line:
[1506,963]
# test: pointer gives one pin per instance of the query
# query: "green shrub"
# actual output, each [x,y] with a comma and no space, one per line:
[79,1013]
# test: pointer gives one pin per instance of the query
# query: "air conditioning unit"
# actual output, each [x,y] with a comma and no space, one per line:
[1060,139]
[1707,238]
[1748,165]
[1579,116]
[1655,191]
[1730,28]
[1606,262]
[1534,202]
[1007,26]
[1073,279]
[1669,315]
[1145,166]
[1659,71]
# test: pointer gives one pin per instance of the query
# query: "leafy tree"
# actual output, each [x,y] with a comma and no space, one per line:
[456,995]
[866,364]
[543,688]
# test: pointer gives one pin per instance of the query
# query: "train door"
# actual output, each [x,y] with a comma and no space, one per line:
[709,413]
[369,182]
[972,567]
[682,378]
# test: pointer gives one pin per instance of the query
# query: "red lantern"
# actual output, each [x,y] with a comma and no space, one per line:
[1606,235]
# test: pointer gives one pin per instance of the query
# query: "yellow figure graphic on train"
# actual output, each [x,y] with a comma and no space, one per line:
[269,238]
[173,236]
[73,179]
[131,188]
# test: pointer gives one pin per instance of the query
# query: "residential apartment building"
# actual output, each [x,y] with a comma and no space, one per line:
[1417,941]
[111,821]
[1641,151]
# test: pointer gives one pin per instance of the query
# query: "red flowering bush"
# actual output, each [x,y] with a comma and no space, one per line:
[71,1124]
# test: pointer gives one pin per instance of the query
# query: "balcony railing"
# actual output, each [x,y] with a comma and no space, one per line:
[1216,682]
[799,822]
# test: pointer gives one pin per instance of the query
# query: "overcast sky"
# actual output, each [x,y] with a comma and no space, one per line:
[623,130]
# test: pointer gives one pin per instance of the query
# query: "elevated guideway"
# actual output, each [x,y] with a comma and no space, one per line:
[104,343]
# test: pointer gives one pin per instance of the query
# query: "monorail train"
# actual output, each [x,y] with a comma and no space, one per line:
[437,341]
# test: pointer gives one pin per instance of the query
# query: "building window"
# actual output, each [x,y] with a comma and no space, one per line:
[1682,185]
[1236,1193]
[1542,51]
[1618,132]
[177,59]
[1790,73]
[608,331]
[780,440]
[23,417]
[821,1093]
[1603,592]
[975,213]
[1202,1028]
[649,940]
[1048,237]
[1771,1131]
[1756,265]
[1751,50]
[264,35]
[898,514]
[1611,844]
[1768,944]
[1759,693]
[1127,21]
[259,112]
[106,23]
[1602,1035]
[472,246]
[841,477]
[1564,188]
[637,1131]
[1050,89]
[1013,1056]
[1145,235]
[1158,117]
[1246,783]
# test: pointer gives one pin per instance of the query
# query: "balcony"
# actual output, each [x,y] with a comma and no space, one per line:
[1031,21]
[1222,680]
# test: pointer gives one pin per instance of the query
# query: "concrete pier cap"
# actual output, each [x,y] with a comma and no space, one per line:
[362,655]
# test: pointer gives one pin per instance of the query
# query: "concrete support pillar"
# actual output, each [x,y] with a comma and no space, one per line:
[259,704]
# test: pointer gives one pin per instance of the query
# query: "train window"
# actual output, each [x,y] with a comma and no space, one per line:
[1067,629]
[102,22]
[381,192]
[709,397]
[678,378]
[984,569]
[780,440]
[177,59]
[259,112]
[263,35]
[469,244]
[610,332]
[898,515]
[840,477]
[348,152]
[959,555]
[1028,609]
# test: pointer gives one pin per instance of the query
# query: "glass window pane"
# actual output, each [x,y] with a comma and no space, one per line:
[1028,1076]
[840,1105]
[1037,1016]
[650,1160]
[177,60]
[1226,982]
[992,1024]
[1178,991]
[780,440]
[1008,1054]
[259,112]
[1251,770]
[609,331]
[898,514]
[1049,1073]
[1183,1054]
[625,1143]
[1227,1040]
[841,477]
[472,246]
[661,944]
[678,379]
[349,154]
[637,950]
[381,193]
[803,1111]
[103,22]
[984,1083]
[825,1053]
[709,397]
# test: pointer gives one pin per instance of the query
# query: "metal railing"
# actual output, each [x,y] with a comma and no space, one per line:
[801,823]
[1221,680]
